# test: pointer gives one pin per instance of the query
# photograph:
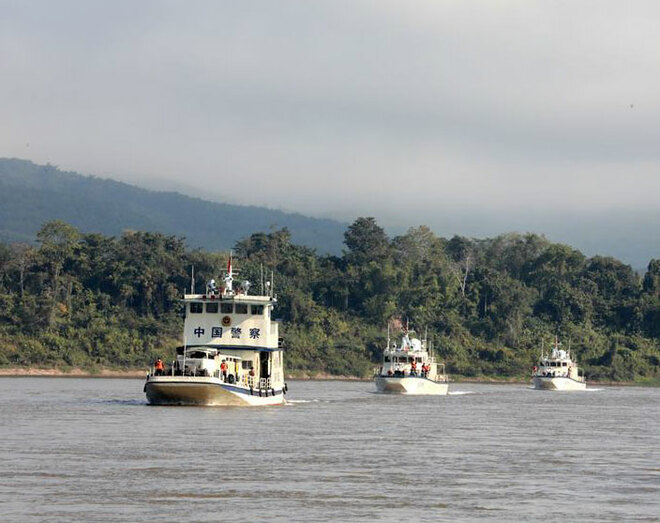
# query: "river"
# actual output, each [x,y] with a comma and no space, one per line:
[93,450]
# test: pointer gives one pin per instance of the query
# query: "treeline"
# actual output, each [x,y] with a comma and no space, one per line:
[91,301]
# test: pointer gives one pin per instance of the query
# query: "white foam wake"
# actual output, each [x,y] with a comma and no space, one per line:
[461,392]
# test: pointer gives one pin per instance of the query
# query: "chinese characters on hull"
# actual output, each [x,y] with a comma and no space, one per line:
[236,332]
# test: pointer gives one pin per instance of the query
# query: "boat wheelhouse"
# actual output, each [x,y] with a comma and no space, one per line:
[557,371]
[409,368]
[232,353]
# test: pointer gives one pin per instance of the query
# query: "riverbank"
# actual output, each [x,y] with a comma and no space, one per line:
[140,373]
[75,372]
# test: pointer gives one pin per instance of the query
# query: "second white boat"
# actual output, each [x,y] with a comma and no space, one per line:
[411,369]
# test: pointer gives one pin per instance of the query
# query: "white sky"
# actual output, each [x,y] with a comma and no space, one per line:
[406,110]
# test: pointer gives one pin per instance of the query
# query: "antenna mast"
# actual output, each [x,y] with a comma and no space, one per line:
[192,279]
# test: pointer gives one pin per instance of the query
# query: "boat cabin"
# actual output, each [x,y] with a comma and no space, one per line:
[557,364]
[411,358]
[231,335]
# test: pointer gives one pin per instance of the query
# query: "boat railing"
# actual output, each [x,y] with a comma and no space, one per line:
[164,372]
[255,383]
[440,377]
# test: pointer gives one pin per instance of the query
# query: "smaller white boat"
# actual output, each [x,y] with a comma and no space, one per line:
[411,369]
[557,371]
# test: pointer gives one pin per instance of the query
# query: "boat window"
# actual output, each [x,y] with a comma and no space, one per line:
[226,308]
[257,309]
[196,307]
[419,360]
[212,307]
[241,308]
[246,364]
[387,359]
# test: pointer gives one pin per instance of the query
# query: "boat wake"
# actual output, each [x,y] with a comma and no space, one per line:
[139,403]
[460,392]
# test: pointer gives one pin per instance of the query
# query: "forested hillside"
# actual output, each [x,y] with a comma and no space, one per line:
[90,300]
[32,194]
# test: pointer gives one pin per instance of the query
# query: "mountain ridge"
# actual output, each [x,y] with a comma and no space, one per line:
[31,194]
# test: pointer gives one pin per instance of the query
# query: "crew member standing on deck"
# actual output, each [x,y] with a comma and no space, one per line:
[158,367]
[223,369]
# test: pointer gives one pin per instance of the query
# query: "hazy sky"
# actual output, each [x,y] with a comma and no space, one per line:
[412,111]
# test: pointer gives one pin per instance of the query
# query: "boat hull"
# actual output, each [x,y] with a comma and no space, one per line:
[410,385]
[196,391]
[557,383]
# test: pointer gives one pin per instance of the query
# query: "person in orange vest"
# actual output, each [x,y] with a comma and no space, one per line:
[223,369]
[413,368]
[158,366]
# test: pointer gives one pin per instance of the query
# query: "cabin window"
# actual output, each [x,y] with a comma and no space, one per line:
[226,308]
[196,308]
[246,365]
[212,307]
[241,308]
[419,360]
[257,309]
[387,359]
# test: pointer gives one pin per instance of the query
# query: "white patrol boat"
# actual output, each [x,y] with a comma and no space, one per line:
[410,369]
[557,371]
[232,354]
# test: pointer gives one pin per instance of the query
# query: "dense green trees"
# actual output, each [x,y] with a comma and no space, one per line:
[90,300]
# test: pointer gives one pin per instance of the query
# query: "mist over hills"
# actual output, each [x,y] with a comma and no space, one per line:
[32,194]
